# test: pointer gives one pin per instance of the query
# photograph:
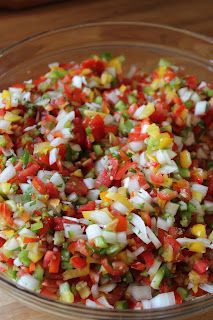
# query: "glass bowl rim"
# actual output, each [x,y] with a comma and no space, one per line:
[187,307]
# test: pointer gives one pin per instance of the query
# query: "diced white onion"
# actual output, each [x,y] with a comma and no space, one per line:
[92,304]
[90,183]
[11,244]
[199,188]
[139,292]
[154,268]
[109,236]
[29,282]
[58,181]
[161,300]
[74,229]
[101,164]
[106,288]
[7,174]
[120,207]
[4,125]
[53,156]
[136,145]
[57,141]
[26,232]
[93,194]
[94,291]
[139,228]
[153,238]
[103,301]
[162,224]
[207,287]
[171,208]
[31,206]
[200,107]
[93,231]
[77,81]
[138,251]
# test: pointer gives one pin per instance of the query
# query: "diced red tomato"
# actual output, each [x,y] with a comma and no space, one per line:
[122,170]
[87,207]
[108,174]
[77,185]
[30,171]
[97,66]
[122,223]
[148,258]
[201,266]
[97,127]
[52,261]
[118,268]
[157,178]
[183,189]
[6,213]
[167,194]
[138,266]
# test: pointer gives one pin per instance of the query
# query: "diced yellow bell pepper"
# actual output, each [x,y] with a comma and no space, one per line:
[197,195]
[42,148]
[196,247]
[35,253]
[147,111]
[85,72]
[78,173]
[120,198]
[10,116]
[75,273]
[185,159]
[5,187]
[153,130]
[122,88]
[165,140]
[199,230]
[115,63]
[106,78]
[6,97]
[84,292]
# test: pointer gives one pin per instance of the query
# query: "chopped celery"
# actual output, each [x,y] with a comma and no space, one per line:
[164,63]
[115,248]
[183,292]
[106,55]
[120,106]
[3,141]
[98,100]
[36,226]
[23,257]
[25,158]
[156,281]
[128,278]
[88,130]
[59,238]
[121,305]
[56,74]
[185,173]
[100,242]
[98,150]
[65,255]
[131,98]
[38,273]
[66,294]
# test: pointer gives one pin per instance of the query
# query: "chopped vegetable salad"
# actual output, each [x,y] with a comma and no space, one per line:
[106,184]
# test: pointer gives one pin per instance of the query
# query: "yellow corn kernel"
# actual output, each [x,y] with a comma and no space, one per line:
[78,173]
[165,140]
[197,247]
[10,116]
[153,130]
[185,159]
[106,78]
[115,63]
[199,230]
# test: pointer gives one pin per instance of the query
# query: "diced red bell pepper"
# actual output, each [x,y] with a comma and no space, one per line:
[97,127]
[87,207]
[148,258]
[78,262]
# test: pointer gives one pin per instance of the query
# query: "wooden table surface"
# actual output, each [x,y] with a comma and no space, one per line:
[193,15]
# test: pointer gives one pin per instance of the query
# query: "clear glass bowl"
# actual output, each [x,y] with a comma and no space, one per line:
[143,44]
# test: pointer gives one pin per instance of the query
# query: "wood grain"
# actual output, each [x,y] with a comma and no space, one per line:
[193,15]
